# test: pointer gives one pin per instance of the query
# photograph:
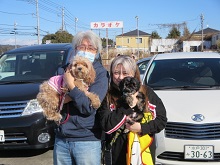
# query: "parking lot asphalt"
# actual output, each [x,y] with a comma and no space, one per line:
[26,157]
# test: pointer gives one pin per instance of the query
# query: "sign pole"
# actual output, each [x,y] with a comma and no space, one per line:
[107,42]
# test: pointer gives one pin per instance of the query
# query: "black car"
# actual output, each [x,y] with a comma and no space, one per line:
[22,70]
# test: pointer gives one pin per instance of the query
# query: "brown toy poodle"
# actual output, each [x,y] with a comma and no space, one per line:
[52,92]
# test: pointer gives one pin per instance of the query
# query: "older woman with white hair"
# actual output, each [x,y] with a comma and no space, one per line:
[138,146]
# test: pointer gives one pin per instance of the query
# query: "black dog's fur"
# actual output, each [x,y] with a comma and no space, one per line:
[129,86]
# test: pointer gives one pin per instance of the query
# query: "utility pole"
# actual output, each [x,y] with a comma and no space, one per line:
[15,24]
[76,20]
[38,23]
[62,28]
[122,40]
[202,19]
[137,36]
[107,42]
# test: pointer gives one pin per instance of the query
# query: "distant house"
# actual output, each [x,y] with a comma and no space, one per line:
[207,34]
[195,41]
[194,46]
[215,40]
[130,41]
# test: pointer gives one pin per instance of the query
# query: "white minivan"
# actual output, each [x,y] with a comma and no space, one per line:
[189,86]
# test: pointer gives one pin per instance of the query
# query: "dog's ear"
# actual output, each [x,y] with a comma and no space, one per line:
[137,83]
[122,84]
[92,73]
[65,66]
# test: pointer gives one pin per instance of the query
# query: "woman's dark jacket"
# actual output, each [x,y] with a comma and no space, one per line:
[111,120]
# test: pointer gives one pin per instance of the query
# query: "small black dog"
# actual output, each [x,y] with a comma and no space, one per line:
[129,86]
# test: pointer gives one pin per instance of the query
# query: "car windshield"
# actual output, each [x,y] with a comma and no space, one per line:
[30,66]
[197,72]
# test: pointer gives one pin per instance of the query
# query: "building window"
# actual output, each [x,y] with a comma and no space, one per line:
[139,40]
[128,41]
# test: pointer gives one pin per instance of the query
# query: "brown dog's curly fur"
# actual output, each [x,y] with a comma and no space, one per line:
[49,99]
[83,72]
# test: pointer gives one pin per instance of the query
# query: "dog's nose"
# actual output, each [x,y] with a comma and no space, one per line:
[79,68]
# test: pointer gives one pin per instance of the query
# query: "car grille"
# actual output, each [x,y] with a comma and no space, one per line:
[209,131]
[179,156]
[15,138]
[12,109]
[9,110]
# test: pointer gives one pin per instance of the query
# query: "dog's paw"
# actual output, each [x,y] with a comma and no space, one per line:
[126,130]
[80,85]
[95,101]
[55,118]
[51,115]
[96,104]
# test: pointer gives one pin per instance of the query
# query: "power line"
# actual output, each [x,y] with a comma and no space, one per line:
[15,13]
[53,8]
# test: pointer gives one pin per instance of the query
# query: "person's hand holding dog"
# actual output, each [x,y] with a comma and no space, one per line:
[136,127]
[69,79]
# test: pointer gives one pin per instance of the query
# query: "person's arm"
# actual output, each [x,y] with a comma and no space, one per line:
[159,123]
[99,87]
[112,120]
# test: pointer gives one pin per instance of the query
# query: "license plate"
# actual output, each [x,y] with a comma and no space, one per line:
[198,152]
[2,136]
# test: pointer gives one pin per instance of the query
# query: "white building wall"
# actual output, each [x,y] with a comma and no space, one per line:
[163,45]
[188,44]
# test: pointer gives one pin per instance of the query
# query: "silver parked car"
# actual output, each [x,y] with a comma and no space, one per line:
[189,86]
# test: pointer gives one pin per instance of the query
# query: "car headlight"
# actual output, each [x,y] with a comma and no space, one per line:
[32,107]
